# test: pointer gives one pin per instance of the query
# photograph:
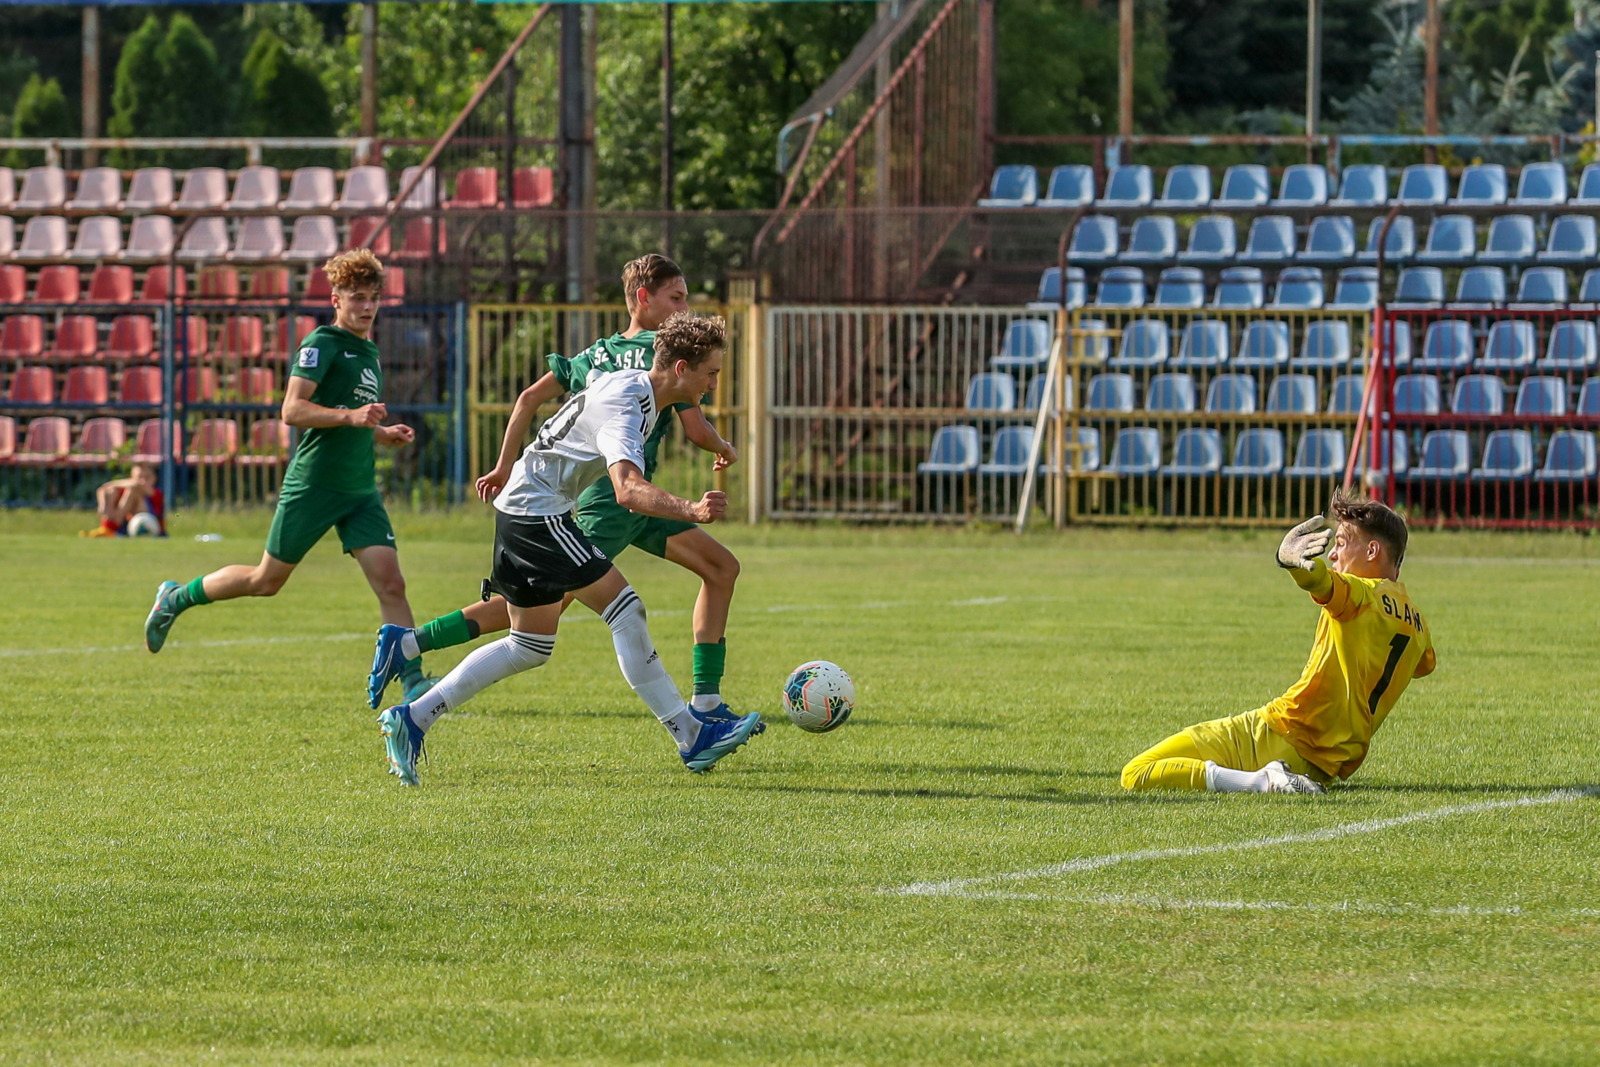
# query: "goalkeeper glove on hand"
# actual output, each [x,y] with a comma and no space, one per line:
[1302,545]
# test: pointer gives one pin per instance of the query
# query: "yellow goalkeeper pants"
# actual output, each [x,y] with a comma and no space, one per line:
[1243,742]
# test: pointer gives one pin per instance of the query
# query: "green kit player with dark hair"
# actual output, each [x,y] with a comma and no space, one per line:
[655,290]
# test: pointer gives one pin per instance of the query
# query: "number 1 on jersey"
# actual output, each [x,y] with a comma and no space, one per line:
[1397,648]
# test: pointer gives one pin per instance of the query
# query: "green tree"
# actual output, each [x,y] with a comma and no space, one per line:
[282,96]
[41,112]
[196,97]
[1489,37]
[136,93]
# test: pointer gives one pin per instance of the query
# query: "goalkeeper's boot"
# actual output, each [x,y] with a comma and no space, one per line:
[162,616]
[387,663]
[723,713]
[718,739]
[402,741]
[1280,779]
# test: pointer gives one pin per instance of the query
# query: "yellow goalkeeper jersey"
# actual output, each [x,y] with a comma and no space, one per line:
[1371,641]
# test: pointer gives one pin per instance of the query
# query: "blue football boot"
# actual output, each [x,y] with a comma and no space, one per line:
[402,740]
[387,663]
[718,739]
[723,713]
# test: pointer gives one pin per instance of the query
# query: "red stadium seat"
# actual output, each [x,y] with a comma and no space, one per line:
[217,285]
[132,338]
[215,441]
[58,284]
[140,386]
[86,385]
[98,442]
[196,339]
[318,288]
[241,338]
[77,337]
[32,385]
[13,284]
[147,442]
[394,285]
[424,239]
[8,438]
[362,229]
[22,337]
[287,336]
[160,282]
[269,285]
[199,385]
[257,385]
[48,442]
[111,284]
[476,187]
[532,187]
[268,445]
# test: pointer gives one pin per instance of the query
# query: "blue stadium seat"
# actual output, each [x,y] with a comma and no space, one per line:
[1344,398]
[1299,287]
[1356,290]
[1110,392]
[1071,185]
[1090,341]
[1212,239]
[1152,239]
[1478,394]
[1145,343]
[1401,245]
[1326,344]
[1392,449]
[955,450]
[1482,184]
[1094,240]
[1303,185]
[1541,184]
[1511,240]
[1264,343]
[1127,186]
[1271,240]
[1188,185]
[1013,185]
[1362,185]
[1244,185]
[1542,285]
[1088,454]
[1400,342]
[1420,285]
[1036,388]
[1008,452]
[1241,288]
[1572,239]
[1416,394]
[1481,285]
[1257,452]
[1235,393]
[1589,288]
[1049,296]
[1424,184]
[1137,450]
[1120,287]
[1026,345]
[1330,238]
[1446,455]
[1507,456]
[1197,451]
[1569,457]
[1589,397]
[1451,239]
[1292,394]
[1319,454]
[1170,392]
[1205,343]
[990,391]
[1511,345]
[1541,395]
[1589,186]
[1180,287]
[1572,346]
[1446,346]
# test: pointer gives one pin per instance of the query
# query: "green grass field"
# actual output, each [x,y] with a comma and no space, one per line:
[203,861]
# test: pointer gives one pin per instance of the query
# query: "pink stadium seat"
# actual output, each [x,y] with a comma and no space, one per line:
[150,190]
[394,286]
[425,195]
[13,284]
[204,189]
[32,385]
[8,189]
[365,189]
[268,445]
[99,237]
[199,385]
[206,238]
[318,289]
[8,235]
[363,228]
[132,338]
[256,189]
[160,281]
[8,438]
[241,338]
[476,187]
[43,189]
[423,239]
[57,284]
[149,240]
[215,441]
[77,337]
[49,440]
[147,442]
[98,442]
[257,385]
[217,285]
[99,189]
[315,240]
[532,187]
[269,285]
[86,385]
[111,284]
[287,335]
[22,337]
[310,189]
[260,240]
[196,340]
[141,386]
[44,237]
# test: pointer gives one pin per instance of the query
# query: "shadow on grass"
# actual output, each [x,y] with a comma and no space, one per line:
[1468,789]
[987,769]
[1045,796]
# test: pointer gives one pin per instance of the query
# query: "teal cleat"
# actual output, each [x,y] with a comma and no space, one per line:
[388,663]
[718,739]
[162,616]
[414,690]
[402,741]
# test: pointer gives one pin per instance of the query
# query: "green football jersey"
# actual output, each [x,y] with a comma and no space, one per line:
[616,353]
[345,368]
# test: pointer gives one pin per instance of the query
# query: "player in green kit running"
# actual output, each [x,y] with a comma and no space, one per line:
[332,395]
[655,290]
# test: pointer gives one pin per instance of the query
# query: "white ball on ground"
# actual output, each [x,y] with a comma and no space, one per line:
[144,524]
[819,696]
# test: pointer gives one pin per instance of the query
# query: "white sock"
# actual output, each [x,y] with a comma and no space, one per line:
[705,701]
[408,645]
[1228,780]
[636,655]
[483,667]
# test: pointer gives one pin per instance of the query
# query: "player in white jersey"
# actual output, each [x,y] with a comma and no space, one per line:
[540,554]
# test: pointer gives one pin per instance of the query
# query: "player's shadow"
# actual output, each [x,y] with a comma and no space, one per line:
[1467,788]
[1044,796]
[992,769]
[936,724]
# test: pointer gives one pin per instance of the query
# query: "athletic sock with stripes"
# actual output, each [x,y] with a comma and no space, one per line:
[636,655]
[513,654]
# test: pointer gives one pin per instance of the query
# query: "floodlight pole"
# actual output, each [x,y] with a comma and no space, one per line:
[1313,70]
[369,69]
[91,80]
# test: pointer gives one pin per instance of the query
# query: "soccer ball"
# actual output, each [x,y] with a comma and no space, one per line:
[819,696]
[144,524]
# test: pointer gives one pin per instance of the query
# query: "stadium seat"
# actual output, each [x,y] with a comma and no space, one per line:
[132,338]
[1542,396]
[1541,184]
[1392,451]
[150,189]
[1187,186]
[1026,346]
[1205,343]
[1589,397]
[206,238]
[1362,185]
[1152,239]
[204,189]
[8,191]
[1569,457]
[1399,342]
[111,284]
[1446,346]
[1271,240]
[1507,456]
[8,439]
[163,281]
[1071,185]
[1009,452]
[1330,239]
[1036,388]
[1212,239]
[200,384]
[310,189]
[365,189]
[1196,452]
[215,442]
[1299,287]
[267,446]
[315,240]
[318,290]
[22,337]
[1318,454]
[991,391]
[1109,392]
[58,284]
[1344,397]
[256,188]
[194,338]
[1481,285]
[1094,240]
[147,447]
[1511,240]
[1419,286]
[1400,246]
[1326,344]
[1572,345]
[99,442]
[86,385]
[1013,185]
[43,189]
[479,187]
[1589,288]
[1264,343]
[1127,186]
[1416,394]
[76,337]
[150,239]
[1232,393]
[13,283]
[369,231]
[1240,288]
[1446,454]
[1170,392]
[217,285]
[1356,290]
[1244,185]
[99,190]
[1424,185]
[421,238]
[1303,185]
[1180,287]
[1511,345]
[1087,456]
[1257,452]
[1542,285]
[1292,394]
[268,285]
[241,338]
[955,450]
[1145,343]
[8,235]
[1478,394]
[1120,287]
[32,385]
[260,240]
[1136,451]
[48,441]
[1049,295]
[1482,185]
[1451,239]
[1090,341]
[1572,239]
[1589,186]
[43,237]
[532,188]
[256,385]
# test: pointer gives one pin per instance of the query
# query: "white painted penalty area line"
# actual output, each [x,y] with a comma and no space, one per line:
[972,888]
[1357,907]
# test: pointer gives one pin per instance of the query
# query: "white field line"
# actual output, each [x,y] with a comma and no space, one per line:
[1160,903]
[972,887]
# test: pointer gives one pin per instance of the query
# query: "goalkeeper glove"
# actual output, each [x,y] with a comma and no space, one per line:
[1302,545]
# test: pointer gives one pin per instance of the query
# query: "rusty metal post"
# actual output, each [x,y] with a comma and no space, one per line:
[1313,70]
[91,80]
[1430,81]
[369,69]
[668,176]
[986,89]
[1125,74]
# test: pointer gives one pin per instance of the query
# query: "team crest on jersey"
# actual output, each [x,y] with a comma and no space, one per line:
[308,357]
[367,390]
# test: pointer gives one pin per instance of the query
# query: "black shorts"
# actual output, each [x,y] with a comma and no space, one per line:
[539,559]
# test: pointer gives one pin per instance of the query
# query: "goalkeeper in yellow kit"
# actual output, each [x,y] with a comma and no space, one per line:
[1370,643]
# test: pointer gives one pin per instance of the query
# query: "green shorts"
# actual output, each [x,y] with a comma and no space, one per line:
[612,527]
[305,513]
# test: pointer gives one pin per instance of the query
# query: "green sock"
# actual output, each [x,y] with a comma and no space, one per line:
[708,662]
[193,594]
[452,629]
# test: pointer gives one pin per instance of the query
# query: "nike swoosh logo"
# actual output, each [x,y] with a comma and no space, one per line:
[390,536]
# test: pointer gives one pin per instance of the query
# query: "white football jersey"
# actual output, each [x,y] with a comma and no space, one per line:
[605,424]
